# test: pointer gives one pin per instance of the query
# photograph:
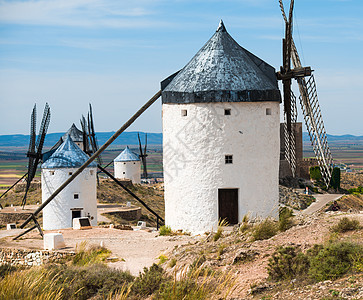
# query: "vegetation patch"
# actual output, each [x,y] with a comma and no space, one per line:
[320,263]
[265,230]
[287,263]
[285,218]
[345,224]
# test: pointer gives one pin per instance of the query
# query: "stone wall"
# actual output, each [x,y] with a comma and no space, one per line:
[128,215]
[7,217]
[18,257]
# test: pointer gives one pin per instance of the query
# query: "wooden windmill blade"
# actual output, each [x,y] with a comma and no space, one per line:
[92,135]
[31,152]
[39,147]
[143,155]
[144,158]
[290,112]
[86,144]
[311,110]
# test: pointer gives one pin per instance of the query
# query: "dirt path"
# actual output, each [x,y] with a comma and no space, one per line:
[321,201]
[135,249]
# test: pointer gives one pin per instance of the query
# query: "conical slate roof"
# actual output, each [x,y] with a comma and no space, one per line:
[127,155]
[222,71]
[68,155]
[74,133]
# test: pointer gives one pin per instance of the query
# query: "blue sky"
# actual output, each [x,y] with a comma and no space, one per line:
[115,53]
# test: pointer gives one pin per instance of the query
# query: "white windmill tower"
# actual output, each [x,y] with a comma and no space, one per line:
[221,121]
[127,165]
[79,198]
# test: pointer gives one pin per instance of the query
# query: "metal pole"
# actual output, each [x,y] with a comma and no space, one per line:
[94,156]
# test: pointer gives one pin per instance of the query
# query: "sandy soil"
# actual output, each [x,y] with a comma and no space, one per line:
[135,249]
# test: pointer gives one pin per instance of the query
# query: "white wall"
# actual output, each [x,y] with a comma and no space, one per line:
[58,214]
[128,170]
[194,149]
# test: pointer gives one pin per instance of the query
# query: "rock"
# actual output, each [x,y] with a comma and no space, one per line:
[245,255]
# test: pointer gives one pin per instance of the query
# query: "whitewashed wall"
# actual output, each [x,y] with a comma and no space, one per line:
[58,214]
[194,149]
[128,170]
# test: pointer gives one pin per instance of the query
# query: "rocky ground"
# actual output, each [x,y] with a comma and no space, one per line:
[236,252]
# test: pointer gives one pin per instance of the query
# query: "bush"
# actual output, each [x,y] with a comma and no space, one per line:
[165,230]
[356,191]
[333,261]
[285,218]
[84,282]
[287,263]
[94,254]
[264,230]
[345,224]
[335,178]
[315,173]
[149,281]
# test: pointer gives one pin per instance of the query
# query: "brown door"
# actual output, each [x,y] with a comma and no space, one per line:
[228,205]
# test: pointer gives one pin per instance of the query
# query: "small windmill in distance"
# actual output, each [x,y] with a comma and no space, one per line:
[143,154]
[35,149]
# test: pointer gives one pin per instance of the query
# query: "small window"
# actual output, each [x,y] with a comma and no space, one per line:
[227,112]
[268,111]
[70,173]
[75,196]
[228,159]
[184,112]
[91,172]
[51,172]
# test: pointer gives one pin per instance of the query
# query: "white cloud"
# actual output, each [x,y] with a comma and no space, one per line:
[79,13]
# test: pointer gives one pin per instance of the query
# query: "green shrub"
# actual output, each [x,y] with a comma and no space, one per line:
[90,255]
[285,218]
[182,289]
[149,281]
[165,230]
[84,282]
[333,261]
[356,191]
[265,230]
[345,224]
[335,178]
[287,263]
[315,173]
[172,262]
[218,234]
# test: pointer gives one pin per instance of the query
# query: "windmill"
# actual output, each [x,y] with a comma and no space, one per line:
[308,100]
[34,153]
[36,145]
[143,154]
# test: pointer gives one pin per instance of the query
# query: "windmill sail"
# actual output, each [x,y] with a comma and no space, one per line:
[309,105]
[36,148]
[143,155]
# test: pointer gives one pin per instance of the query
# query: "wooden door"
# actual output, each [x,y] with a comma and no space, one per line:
[228,205]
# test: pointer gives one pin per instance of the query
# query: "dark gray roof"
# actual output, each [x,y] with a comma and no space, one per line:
[68,155]
[74,133]
[127,155]
[222,71]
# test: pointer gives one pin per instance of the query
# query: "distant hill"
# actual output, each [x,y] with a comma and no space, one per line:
[336,138]
[130,138]
[126,138]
